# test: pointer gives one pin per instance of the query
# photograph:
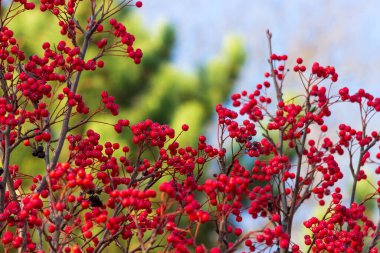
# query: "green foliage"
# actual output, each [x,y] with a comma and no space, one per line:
[155,89]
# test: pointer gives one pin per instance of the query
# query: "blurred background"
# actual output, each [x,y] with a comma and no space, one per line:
[344,34]
[196,53]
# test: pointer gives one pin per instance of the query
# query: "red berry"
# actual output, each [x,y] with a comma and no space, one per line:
[324,128]
[100,64]
[185,127]
[113,21]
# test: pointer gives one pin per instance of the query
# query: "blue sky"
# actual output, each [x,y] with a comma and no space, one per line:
[345,34]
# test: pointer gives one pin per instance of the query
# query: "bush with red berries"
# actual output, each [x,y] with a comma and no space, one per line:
[273,156]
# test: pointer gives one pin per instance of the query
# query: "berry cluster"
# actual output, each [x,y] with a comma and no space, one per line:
[152,193]
[341,231]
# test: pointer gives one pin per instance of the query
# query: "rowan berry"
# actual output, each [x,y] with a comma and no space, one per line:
[185,127]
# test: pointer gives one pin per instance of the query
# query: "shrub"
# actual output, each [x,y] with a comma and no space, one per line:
[151,193]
